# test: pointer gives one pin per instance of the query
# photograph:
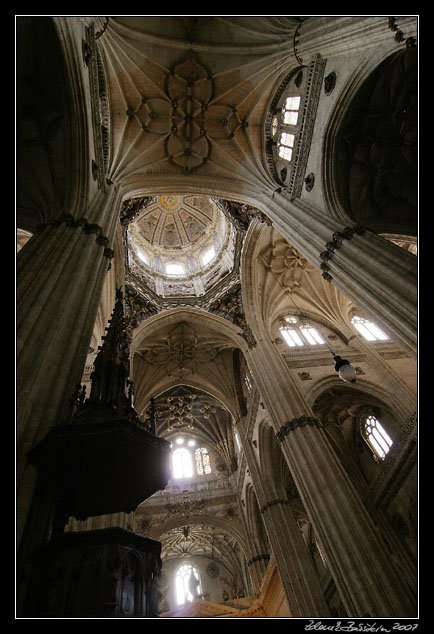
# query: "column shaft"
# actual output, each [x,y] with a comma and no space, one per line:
[377,275]
[359,562]
[296,570]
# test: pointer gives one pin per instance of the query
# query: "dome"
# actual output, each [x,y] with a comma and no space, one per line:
[180,245]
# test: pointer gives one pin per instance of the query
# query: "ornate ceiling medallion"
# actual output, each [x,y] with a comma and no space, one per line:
[170,203]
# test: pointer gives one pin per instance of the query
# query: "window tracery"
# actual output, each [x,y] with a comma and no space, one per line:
[187,584]
[297,335]
[188,461]
[376,436]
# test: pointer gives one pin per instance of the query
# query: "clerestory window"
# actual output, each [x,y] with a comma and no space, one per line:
[377,437]
[297,335]
[284,127]
[368,329]
[175,268]
[185,463]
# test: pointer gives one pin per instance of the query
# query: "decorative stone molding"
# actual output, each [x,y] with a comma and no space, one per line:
[99,106]
[88,229]
[309,182]
[132,207]
[230,306]
[295,423]
[329,83]
[137,309]
[292,175]
[271,503]
[410,42]
[315,74]
[258,558]
[336,243]
[241,215]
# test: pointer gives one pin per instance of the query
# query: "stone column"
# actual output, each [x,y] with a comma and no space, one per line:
[361,566]
[296,570]
[60,275]
[257,566]
[377,275]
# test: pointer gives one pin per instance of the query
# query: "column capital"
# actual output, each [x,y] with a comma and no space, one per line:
[87,228]
[295,423]
[253,560]
[267,505]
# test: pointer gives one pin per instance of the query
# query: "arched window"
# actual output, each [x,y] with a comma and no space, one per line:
[377,437]
[187,584]
[296,334]
[247,381]
[181,463]
[368,329]
[203,464]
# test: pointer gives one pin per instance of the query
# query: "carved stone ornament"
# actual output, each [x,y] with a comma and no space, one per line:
[295,423]
[309,182]
[286,263]
[336,243]
[186,115]
[329,83]
[230,306]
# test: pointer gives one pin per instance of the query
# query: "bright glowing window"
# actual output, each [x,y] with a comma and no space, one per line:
[247,382]
[291,337]
[368,329]
[203,464]
[143,257]
[311,335]
[175,268]
[187,584]
[290,110]
[305,333]
[288,121]
[181,464]
[377,437]
[208,256]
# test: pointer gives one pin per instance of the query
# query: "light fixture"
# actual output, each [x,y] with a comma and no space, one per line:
[345,370]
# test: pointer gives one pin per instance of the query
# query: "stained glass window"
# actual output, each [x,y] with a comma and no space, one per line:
[203,464]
